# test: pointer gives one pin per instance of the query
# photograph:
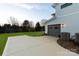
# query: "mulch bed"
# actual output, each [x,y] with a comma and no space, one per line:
[70,45]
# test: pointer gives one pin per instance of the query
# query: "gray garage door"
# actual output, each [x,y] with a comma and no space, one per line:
[54,30]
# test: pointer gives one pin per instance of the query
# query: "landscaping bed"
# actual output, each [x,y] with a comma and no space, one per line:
[68,44]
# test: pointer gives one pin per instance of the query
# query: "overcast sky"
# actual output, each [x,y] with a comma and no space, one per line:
[25,11]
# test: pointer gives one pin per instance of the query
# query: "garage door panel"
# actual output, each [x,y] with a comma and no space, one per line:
[54,30]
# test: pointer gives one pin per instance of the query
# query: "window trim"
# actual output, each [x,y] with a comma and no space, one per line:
[65,5]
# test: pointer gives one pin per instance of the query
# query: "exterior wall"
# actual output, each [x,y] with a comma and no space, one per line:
[46,29]
[74,8]
[70,22]
[69,17]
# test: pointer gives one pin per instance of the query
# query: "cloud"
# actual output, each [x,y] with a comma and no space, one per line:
[29,6]
[26,6]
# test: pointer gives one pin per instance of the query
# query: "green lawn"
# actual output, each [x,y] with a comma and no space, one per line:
[3,38]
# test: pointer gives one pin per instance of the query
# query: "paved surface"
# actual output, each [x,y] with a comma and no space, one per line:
[35,46]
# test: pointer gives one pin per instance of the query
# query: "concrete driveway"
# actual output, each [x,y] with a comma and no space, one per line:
[35,46]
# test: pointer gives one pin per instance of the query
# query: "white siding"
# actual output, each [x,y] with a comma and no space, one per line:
[71,23]
[46,29]
[69,16]
[67,10]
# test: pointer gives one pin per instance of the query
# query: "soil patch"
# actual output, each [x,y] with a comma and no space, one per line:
[70,45]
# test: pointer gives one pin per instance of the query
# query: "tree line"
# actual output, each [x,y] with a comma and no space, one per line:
[25,27]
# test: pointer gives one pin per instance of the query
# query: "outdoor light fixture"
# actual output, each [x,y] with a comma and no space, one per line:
[63,25]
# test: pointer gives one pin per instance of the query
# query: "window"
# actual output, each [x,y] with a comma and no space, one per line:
[65,5]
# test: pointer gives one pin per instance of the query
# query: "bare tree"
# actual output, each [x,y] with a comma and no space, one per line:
[31,24]
[15,24]
[13,21]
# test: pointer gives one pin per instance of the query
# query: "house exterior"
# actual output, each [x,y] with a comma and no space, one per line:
[66,19]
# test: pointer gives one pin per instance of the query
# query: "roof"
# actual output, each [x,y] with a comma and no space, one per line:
[53,18]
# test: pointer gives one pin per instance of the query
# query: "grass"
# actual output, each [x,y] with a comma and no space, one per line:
[4,37]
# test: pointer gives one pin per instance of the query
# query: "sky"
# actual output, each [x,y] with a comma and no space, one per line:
[25,11]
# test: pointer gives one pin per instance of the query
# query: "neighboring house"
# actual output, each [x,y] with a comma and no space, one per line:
[66,19]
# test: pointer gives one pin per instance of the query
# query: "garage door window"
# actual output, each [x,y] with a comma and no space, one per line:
[56,27]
